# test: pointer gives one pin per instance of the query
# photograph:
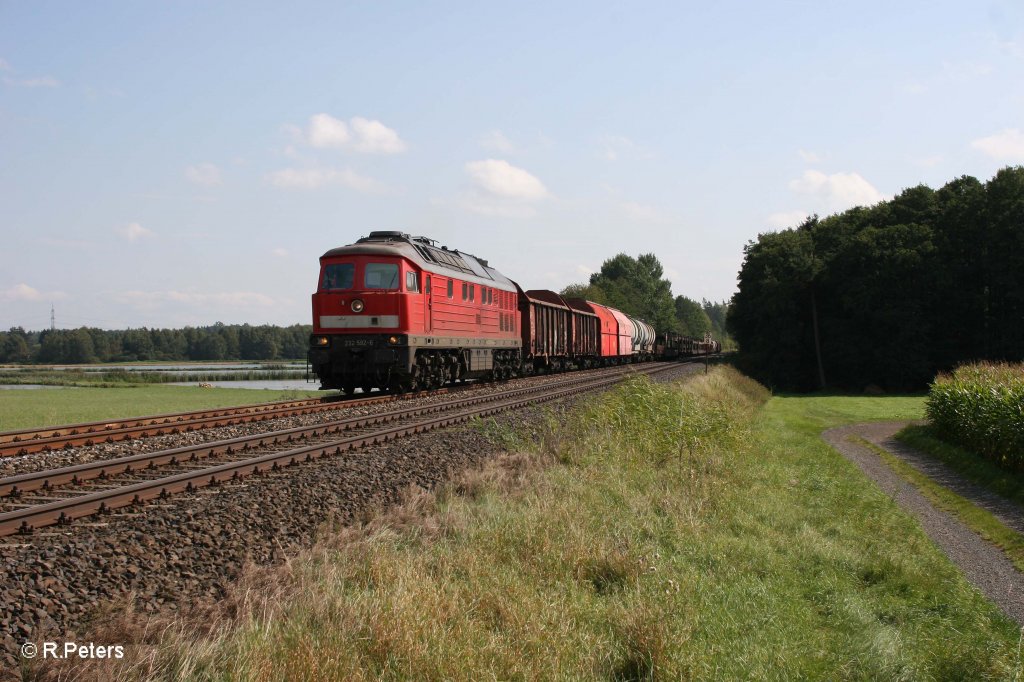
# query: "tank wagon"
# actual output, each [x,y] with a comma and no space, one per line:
[400,312]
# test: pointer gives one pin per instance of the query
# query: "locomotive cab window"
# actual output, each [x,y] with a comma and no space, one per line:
[381,276]
[338,276]
[411,281]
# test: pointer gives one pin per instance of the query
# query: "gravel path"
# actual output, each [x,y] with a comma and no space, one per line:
[984,564]
[193,546]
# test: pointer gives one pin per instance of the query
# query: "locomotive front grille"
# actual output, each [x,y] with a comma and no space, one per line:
[358,321]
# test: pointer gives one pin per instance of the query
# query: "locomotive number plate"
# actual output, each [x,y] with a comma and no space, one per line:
[358,342]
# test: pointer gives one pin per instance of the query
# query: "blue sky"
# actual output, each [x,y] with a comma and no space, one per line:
[186,163]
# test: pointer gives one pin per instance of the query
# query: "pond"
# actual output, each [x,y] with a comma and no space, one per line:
[18,387]
[274,384]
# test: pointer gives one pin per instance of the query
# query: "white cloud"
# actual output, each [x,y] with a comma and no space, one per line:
[326,131]
[784,219]
[1007,145]
[280,253]
[373,137]
[38,82]
[4,65]
[361,134]
[315,178]
[838,191]
[205,174]
[133,232]
[502,179]
[808,157]
[496,141]
[584,271]
[23,292]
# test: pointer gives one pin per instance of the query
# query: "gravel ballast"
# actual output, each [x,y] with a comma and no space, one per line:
[191,547]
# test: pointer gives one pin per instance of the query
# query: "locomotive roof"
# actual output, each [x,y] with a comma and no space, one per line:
[423,252]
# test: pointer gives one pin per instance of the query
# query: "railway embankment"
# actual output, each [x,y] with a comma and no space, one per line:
[686,530]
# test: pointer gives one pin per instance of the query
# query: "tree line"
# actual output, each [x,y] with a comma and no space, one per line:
[890,294]
[637,287]
[217,342]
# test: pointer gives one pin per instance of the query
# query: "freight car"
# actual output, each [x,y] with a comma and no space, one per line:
[399,312]
[672,346]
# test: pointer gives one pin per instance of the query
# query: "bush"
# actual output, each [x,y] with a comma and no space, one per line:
[981,407]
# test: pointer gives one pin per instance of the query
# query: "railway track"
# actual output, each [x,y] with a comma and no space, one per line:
[13,443]
[59,496]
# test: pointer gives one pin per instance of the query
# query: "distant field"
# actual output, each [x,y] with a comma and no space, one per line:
[22,408]
[119,374]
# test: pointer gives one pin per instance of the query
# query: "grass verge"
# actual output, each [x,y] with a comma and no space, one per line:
[25,408]
[679,532]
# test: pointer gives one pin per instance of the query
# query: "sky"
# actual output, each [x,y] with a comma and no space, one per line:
[173,164]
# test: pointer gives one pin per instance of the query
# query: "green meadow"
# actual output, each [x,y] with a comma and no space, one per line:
[28,408]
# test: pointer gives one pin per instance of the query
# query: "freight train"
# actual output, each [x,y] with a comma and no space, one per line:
[402,313]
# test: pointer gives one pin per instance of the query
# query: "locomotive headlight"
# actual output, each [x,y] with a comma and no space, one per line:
[320,341]
[393,340]
[357,306]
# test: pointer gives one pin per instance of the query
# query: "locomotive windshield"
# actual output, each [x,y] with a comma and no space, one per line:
[339,276]
[381,276]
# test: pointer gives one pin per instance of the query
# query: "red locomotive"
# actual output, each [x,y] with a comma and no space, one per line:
[398,312]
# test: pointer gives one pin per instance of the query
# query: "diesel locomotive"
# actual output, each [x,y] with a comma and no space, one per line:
[398,312]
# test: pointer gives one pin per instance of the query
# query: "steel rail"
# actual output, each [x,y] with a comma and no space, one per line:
[29,441]
[65,511]
[13,486]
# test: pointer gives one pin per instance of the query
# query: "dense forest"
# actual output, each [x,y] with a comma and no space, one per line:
[887,295]
[637,287]
[219,342]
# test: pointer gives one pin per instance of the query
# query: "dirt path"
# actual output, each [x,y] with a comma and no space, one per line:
[985,565]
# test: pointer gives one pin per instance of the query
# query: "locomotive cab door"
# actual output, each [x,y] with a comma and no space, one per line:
[428,313]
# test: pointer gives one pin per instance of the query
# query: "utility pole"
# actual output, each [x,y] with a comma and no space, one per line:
[53,319]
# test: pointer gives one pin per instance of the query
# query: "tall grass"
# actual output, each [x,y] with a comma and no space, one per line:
[661,532]
[981,407]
